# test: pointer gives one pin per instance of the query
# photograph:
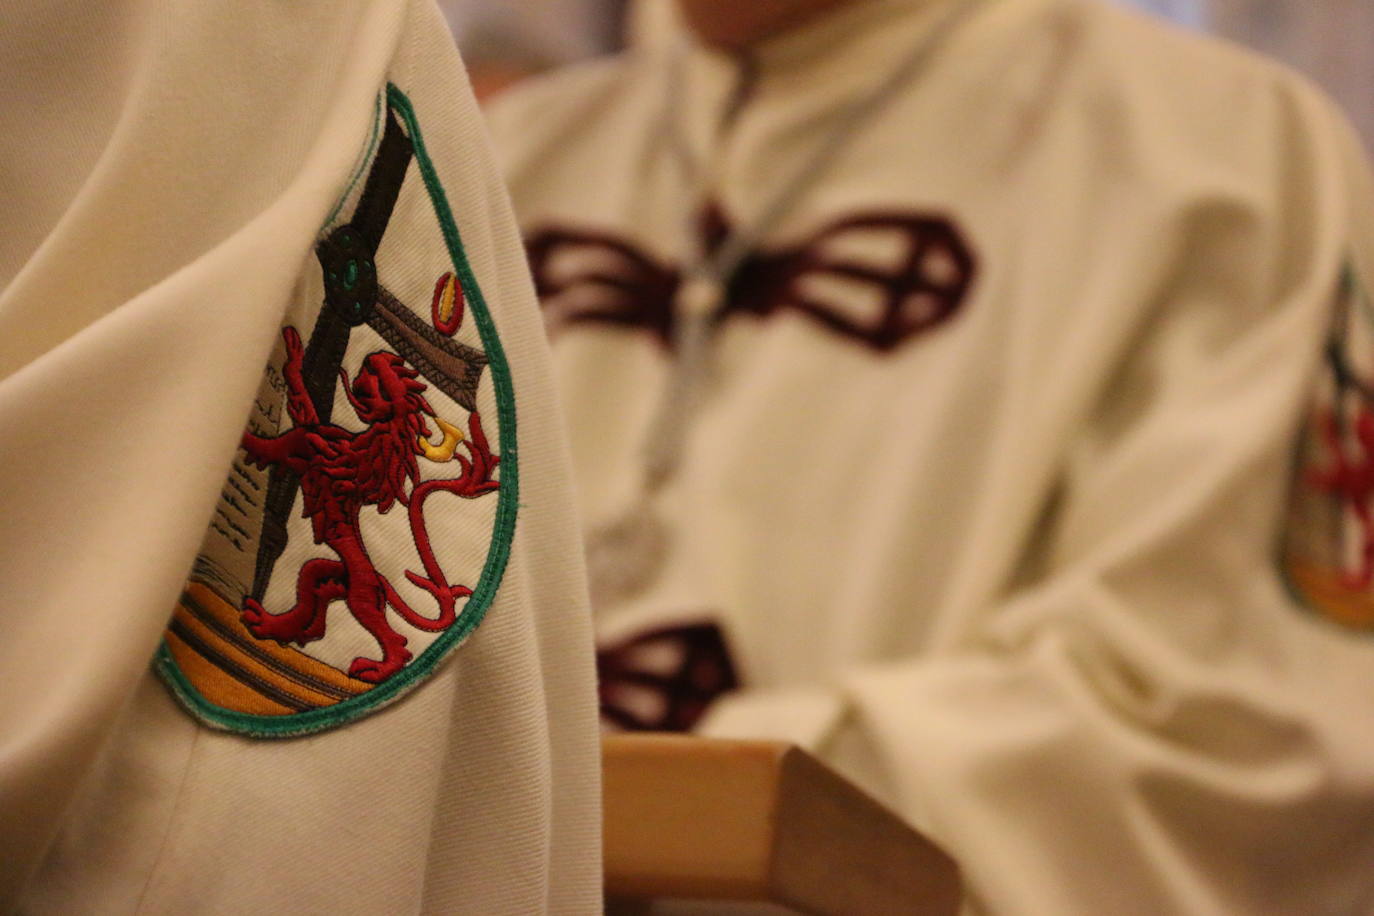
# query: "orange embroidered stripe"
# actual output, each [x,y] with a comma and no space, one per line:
[295,666]
[249,666]
[1324,592]
[228,689]
[231,674]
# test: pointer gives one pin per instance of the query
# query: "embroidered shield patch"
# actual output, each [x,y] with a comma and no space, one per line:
[365,524]
[1328,547]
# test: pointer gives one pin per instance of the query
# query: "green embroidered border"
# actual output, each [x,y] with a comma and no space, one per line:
[503,530]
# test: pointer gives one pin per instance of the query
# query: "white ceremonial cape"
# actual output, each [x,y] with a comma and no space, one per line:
[173,176]
[989,481]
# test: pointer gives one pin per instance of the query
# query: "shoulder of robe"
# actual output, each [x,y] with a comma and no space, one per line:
[1156,86]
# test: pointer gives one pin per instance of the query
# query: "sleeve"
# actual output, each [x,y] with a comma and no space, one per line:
[1156,726]
[136,344]
[121,398]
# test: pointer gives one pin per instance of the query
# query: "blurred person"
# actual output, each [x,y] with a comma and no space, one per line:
[374,693]
[936,370]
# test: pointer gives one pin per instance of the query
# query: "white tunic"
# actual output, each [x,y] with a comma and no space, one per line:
[170,174]
[985,485]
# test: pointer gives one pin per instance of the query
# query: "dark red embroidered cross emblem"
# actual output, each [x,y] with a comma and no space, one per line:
[880,279]
[664,680]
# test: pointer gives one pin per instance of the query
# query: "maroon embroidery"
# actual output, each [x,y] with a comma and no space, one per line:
[665,679]
[590,276]
[341,472]
[926,287]
[880,279]
[1351,479]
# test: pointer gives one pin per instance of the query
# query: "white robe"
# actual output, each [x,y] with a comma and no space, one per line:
[1004,552]
[166,171]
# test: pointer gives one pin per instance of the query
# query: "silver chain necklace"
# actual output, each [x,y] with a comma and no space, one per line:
[625,555]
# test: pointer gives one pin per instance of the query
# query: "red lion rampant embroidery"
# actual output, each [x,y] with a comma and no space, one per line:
[341,472]
[1351,479]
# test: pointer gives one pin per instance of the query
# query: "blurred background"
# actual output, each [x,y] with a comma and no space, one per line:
[1330,40]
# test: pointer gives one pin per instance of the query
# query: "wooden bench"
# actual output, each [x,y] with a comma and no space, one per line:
[761,825]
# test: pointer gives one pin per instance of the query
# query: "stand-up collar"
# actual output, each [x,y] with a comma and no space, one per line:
[819,66]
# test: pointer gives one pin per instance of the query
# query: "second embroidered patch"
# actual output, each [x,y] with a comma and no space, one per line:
[1328,548]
